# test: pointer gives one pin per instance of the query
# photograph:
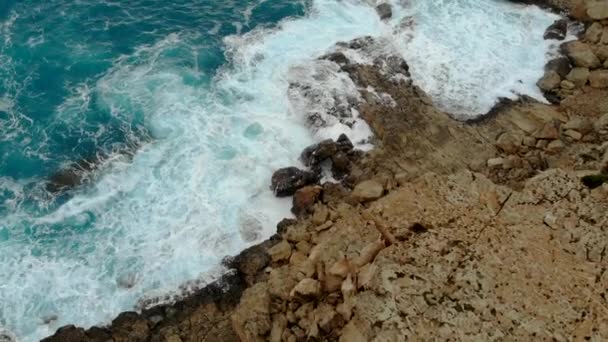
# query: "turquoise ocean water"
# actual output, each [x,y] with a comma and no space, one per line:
[183,107]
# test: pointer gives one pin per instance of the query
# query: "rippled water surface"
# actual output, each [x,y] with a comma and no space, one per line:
[183,107]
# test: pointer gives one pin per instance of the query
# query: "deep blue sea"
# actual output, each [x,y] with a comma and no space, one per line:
[176,113]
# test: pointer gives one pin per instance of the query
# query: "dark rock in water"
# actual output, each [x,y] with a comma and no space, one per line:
[315,154]
[344,144]
[557,30]
[68,333]
[286,222]
[250,261]
[286,181]
[340,164]
[384,11]
[560,65]
[336,57]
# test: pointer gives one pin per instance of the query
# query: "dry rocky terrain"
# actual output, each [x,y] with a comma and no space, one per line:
[492,229]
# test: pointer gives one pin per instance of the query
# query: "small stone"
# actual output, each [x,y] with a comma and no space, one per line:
[594,33]
[555,146]
[561,65]
[352,333]
[368,191]
[529,141]
[324,226]
[304,199]
[599,79]
[296,234]
[279,252]
[578,76]
[568,85]
[549,81]
[573,134]
[542,144]
[548,131]
[508,143]
[495,162]
[307,288]
[604,39]
[550,220]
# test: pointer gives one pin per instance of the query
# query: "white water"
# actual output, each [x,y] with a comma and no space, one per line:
[200,191]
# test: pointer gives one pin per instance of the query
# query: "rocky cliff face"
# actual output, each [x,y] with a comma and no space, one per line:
[490,229]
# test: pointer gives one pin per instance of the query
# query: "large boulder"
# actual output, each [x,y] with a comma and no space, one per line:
[286,181]
[597,10]
[384,11]
[581,55]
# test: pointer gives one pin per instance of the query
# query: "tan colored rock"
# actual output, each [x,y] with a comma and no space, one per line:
[581,55]
[604,39]
[549,131]
[252,320]
[352,333]
[327,318]
[601,51]
[296,233]
[279,324]
[597,10]
[368,191]
[320,215]
[599,79]
[573,134]
[578,76]
[495,162]
[508,143]
[306,288]
[279,252]
[549,81]
[594,33]
[555,146]
[582,125]
[529,141]
[567,85]
[368,253]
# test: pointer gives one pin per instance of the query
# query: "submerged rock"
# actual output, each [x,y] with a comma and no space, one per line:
[286,181]
[384,11]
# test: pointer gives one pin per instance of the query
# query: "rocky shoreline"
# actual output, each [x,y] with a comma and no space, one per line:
[490,229]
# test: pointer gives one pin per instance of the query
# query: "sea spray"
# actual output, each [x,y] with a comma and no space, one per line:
[197,189]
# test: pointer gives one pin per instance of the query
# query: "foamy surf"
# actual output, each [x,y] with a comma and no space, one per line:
[199,190]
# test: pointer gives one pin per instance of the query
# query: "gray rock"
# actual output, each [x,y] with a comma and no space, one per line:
[384,11]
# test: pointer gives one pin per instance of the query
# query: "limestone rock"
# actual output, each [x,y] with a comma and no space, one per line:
[582,125]
[599,79]
[598,10]
[578,76]
[495,162]
[594,33]
[549,131]
[306,288]
[549,81]
[581,55]
[573,134]
[368,191]
[281,251]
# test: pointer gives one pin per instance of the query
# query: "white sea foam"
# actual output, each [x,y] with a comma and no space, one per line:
[199,190]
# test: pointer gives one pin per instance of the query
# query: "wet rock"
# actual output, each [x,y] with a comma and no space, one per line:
[344,144]
[384,11]
[581,55]
[68,333]
[557,30]
[560,65]
[336,57]
[340,164]
[578,76]
[286,181]
[315,154]
[549,81]
[368,191]
[304,199]
[599,79]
